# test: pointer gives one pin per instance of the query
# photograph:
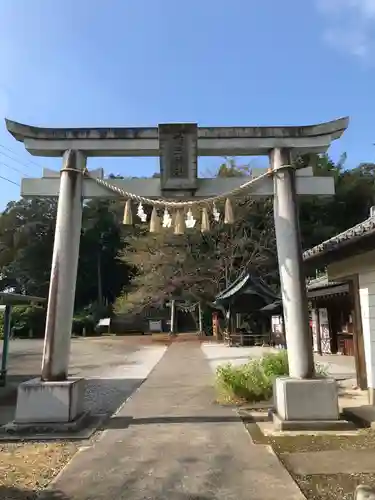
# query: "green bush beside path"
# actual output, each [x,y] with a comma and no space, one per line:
[253,381]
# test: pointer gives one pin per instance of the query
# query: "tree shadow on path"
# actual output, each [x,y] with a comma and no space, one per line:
[14,493]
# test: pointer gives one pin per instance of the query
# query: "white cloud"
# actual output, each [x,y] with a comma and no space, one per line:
[350,25]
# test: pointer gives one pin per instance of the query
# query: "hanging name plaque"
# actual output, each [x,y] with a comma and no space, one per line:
[178,157]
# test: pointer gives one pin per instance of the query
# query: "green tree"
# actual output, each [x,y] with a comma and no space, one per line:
[322,218]
[26,241]
[101,274]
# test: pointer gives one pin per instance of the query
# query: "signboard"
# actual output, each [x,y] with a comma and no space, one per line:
[313,327]
[104,322]
[324,331]
[277,328]
[323,336]
[178,156]
[155,325]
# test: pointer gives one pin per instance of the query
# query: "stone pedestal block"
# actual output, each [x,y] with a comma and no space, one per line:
[306,400]
[49,402]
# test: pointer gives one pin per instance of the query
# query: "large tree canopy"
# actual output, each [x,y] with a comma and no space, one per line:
[198,265]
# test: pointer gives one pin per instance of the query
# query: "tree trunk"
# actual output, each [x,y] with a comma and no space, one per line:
[100,286]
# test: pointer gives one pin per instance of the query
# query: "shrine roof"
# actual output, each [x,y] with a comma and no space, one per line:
[246,284]
[275,307]
[316,288]
[324,287]
[19,299]
[21,131]
[321,282]
[352,235]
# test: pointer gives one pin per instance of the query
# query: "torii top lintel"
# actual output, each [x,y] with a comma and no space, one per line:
[211,141]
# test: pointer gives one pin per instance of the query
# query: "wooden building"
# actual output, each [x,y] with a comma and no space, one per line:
[350,258]
[331,316]
[241,303]
[331,312]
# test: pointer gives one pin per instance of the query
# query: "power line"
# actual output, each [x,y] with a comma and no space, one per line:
[8,180]
[14,168]
[15,159]
[17,154]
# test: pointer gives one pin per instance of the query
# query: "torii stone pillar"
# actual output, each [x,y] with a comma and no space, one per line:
[55,397]
[292,277]
[64,269]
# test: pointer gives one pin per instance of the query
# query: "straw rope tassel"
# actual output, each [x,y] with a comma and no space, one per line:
[228,212]
[179,223]
[205,223]
[155,223]
[128,216]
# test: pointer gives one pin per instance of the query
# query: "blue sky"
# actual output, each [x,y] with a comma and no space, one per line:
[214,62]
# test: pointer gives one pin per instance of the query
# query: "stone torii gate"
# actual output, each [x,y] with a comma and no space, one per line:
[55,397]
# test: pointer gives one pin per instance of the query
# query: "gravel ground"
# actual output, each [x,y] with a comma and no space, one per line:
[113,366]
[320,486]
[333,487]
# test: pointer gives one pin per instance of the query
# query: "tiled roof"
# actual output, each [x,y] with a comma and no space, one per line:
[352,234]
[321,282]
[247,284]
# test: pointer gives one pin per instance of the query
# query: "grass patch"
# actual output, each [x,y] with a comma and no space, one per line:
[253,381]
[29,467]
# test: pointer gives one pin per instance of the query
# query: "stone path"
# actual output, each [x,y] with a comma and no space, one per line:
[171,441]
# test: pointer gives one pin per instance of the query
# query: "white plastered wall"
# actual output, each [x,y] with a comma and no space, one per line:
[364,266]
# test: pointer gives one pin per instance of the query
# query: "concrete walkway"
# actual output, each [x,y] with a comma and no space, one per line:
[171,441]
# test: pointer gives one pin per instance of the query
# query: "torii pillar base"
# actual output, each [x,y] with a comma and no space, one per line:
[41,402]
[307,404]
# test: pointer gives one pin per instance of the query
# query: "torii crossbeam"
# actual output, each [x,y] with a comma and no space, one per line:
[178,147]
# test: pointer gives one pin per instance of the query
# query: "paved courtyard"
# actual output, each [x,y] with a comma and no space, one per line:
[113,366]
[340,367]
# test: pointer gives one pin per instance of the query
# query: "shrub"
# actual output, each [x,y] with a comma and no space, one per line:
[247,382]
[253,381]
[321,371]
[275,365]
[88,318]
[26,318]
[81,322]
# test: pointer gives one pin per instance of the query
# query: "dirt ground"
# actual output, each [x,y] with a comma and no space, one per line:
[29,467]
